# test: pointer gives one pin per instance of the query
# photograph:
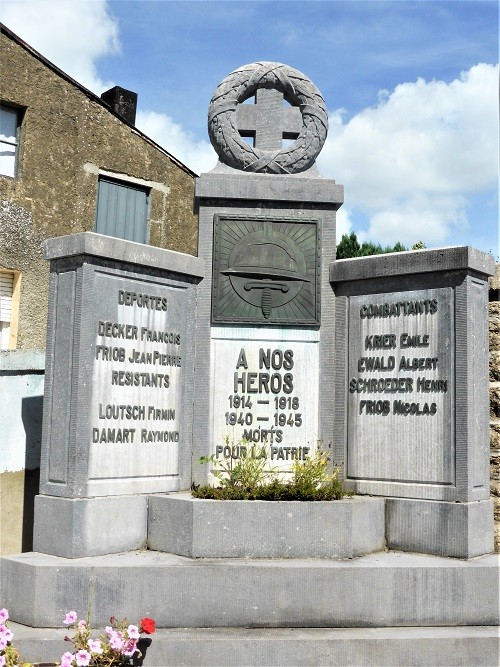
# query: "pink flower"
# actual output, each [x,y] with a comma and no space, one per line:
[4,615]
[82,658]
[5,633]
[109,630]
[67,660]
[82,626]
[95,646]
[133,632]
[2,661]
[130,647]
[116,640]
[71,617]
[3,643]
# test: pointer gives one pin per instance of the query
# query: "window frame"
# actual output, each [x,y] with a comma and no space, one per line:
[19,111]
[13,323]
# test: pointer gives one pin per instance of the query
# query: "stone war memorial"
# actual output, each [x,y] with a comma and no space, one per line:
[265,342]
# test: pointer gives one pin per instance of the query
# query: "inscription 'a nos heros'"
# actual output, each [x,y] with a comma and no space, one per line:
[265,382]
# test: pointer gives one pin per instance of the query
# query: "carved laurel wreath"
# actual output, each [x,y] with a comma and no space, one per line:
[297,89]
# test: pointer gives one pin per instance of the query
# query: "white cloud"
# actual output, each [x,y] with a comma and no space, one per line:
[344,223]
[410,162]
[71,34]
[196,154]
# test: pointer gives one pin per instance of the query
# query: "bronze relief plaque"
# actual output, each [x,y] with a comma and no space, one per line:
[265,271]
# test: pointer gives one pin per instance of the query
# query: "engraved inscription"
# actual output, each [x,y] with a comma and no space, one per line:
[400,374]
[265,399]
[137,366]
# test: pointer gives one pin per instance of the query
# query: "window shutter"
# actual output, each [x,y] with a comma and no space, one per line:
[6,288]
[122,211]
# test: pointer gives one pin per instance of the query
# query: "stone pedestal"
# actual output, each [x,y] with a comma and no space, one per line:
[118,391]
[411,401]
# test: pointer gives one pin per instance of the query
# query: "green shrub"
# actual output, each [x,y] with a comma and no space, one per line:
[250,479]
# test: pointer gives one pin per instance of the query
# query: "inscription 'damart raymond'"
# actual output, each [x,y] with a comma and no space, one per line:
[134,364]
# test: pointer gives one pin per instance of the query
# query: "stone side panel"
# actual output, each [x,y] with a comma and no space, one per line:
[494,329]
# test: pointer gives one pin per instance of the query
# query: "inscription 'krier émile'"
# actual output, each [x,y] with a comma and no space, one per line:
[398,384]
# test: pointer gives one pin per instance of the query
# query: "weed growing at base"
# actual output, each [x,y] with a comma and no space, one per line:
[250,478]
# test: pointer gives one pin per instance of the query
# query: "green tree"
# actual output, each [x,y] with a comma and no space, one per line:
[349,247]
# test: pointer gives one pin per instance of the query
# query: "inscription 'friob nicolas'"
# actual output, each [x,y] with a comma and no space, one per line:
[396,384]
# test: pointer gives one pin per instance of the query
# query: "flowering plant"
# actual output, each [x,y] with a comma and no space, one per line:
[9,656]
[115,648]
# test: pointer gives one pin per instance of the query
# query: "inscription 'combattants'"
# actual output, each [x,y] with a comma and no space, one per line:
[399,343]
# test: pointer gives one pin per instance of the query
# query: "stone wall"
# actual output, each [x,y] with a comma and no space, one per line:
[494,307]
[68,136]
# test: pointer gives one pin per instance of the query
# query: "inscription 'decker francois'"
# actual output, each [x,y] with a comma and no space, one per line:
[136,371]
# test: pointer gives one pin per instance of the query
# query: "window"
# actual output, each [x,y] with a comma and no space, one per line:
[122,210]
[9,300]
[9,140]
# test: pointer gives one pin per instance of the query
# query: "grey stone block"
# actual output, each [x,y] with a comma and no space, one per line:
[302,647]
[78,527]
[416,424]
[459,530]
[379,590]
[226,183]
[128,252]
[199,528]
[120,363]
[453,258]
[275,196]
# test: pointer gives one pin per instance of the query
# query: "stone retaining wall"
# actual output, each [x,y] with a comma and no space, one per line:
[494,324]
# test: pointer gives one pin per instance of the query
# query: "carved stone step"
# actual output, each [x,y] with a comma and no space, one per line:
[361,647]
[378,590]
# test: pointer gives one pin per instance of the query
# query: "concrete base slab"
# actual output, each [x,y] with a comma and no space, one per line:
[181,524]
[80,527]
[363,647]
[378,590]
[458,530]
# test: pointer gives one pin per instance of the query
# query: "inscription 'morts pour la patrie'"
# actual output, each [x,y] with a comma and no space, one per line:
[266,408]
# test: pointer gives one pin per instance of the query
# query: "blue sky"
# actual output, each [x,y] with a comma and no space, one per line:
[411,90]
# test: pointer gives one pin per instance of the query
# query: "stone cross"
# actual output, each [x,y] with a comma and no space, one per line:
[268,121]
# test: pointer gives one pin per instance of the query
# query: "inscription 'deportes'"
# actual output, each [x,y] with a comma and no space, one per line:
[265,271]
